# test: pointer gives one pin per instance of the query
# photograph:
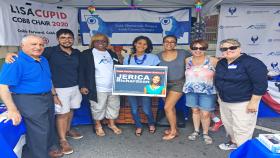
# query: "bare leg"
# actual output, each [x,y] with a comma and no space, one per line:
[170,111]
[70,117]
[196,118]
[205,121]
[61,123]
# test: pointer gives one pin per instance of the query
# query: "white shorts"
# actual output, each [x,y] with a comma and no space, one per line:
[108,106]
[69,97]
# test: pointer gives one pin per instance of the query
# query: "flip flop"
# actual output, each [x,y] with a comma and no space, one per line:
[138,133]
[99,131]
[115,129]
[152,129]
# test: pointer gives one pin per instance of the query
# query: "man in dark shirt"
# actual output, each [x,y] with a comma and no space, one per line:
[241,80]
[25,88]
[64,64]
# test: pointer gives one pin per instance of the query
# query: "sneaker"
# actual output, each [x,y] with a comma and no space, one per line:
[216,126]
[207,139]
[228,146]
[66,148]
[194,136]
[74,134]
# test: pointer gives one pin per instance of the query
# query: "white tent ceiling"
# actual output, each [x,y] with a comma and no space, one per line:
[210,6]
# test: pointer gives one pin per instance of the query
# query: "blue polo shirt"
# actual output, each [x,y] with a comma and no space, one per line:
[26,75]
[64,67]
[238,81]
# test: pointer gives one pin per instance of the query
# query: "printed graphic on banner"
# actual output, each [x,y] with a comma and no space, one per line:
[19,18]
[257,28]
[140,80]
[123,25]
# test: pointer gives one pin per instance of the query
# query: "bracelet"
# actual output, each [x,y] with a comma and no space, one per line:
[55,94]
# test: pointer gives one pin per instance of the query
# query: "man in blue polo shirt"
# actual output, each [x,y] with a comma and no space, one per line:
[25,88]
[64,63]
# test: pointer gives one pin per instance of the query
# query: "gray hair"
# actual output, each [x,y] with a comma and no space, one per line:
[26,37]
[230,41]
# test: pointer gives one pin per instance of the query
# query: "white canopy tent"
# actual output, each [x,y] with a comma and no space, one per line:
[209,6]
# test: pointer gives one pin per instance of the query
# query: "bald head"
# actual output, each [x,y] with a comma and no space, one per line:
[32,45]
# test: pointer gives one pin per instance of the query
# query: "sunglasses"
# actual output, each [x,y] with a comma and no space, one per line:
[100,41]
[229,48]
[198,48]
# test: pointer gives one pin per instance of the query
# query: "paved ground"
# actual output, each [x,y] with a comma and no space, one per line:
[127,145]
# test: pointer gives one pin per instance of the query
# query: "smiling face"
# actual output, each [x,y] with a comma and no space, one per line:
[100,44]
[169,43]
[66,40]
[156,80]
[198,50]
[32,46]
[141,46]
[230,51]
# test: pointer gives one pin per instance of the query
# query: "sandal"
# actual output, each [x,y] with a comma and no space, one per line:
[194,136]
[152,129]
[207,139]
[115,129]
[99,131]
[167,131]
[170,136]
[138,132]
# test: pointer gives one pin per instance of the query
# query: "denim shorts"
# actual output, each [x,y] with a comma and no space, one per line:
[206,102]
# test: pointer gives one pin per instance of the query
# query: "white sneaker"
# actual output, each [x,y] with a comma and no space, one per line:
[228,146]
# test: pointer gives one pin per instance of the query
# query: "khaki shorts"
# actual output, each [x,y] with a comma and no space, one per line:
[176,86]
[107,106]
[69,97]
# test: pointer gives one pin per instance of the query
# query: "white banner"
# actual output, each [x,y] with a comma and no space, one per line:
[123,25]
[256,27]
[19,17]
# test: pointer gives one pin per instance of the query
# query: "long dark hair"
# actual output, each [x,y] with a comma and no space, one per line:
[149,44]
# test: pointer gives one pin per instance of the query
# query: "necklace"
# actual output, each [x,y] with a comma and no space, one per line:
[138,61]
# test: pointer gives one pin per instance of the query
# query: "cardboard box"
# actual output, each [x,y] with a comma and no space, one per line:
[271,141]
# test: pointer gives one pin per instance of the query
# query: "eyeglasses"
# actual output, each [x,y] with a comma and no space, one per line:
[100,41]
[198,48]
[171,42]
[229,48]
[66,38]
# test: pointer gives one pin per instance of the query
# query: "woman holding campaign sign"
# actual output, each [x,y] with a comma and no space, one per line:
[141,56]
[95,81]
[175,60]
[199,88]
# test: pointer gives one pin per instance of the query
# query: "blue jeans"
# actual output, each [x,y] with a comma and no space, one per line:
[146,106]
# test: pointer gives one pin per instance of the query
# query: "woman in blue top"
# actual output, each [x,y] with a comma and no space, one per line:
[142,47]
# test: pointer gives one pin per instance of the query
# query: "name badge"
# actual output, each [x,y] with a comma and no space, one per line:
[232,66]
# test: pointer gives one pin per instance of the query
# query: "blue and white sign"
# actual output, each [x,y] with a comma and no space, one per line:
[257,28]
[140,80]
[123,25]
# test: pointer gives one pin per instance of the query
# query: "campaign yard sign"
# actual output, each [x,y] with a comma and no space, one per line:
[136,80]
[19,18]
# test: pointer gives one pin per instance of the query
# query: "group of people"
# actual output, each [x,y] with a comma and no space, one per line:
[38,78]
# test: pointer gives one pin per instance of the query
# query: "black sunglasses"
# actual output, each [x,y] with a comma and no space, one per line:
[229,48]
[198,48]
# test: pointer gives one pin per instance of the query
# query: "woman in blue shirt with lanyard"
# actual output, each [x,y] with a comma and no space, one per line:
[141,56]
